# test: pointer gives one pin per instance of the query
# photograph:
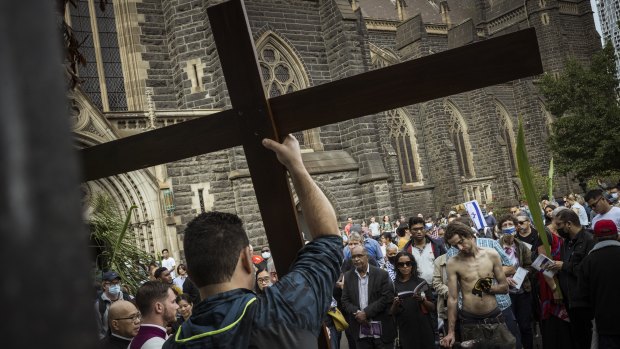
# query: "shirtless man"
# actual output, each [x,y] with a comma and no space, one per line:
[473,270]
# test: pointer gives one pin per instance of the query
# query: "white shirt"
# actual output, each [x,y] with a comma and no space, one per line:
[374,229]
[169,263]
[613,215]
[425,260]
[581,212]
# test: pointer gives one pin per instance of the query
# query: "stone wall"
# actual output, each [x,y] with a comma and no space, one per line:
[332,42]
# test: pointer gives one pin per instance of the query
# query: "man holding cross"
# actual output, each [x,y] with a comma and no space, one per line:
[290,313]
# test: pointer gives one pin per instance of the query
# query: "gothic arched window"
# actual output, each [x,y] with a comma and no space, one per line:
[549,119]
[282,73]
[102,75]
[381,57]
[402,137]
[460,139]
[506,132]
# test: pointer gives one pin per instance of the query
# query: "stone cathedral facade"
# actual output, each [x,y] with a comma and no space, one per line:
[153,63]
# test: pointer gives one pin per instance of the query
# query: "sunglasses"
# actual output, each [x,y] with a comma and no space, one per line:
[403,264]
[522,222]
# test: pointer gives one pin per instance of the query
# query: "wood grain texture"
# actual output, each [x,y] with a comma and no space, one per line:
[485,63]
[160,146]
[245,88]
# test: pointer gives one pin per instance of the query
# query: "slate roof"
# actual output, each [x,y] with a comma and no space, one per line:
[460,10]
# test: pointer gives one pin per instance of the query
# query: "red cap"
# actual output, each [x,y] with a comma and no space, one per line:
[605,228]
[257,259]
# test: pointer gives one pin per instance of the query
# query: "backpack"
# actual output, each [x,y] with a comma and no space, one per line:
[103,304]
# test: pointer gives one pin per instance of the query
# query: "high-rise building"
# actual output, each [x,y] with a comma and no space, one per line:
[609,14]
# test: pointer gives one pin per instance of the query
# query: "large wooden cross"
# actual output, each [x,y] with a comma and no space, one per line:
[254,117]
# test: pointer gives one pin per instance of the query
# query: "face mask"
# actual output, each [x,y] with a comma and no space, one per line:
[114,289]
[266,255]
[563,232]
[509,231]
[428,226]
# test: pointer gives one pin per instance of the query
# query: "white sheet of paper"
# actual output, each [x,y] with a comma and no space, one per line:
[519,277]
[541,262]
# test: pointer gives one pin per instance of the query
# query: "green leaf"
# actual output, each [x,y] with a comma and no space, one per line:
[550,179]
[531,196]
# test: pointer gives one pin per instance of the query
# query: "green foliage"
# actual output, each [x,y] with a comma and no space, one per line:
[109,229]
[586,135]
[529,187]
[540,182]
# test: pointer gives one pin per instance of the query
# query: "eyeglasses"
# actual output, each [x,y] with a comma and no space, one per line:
[522,222]
[403,264]
[263,280]
[593,205]
[137,317]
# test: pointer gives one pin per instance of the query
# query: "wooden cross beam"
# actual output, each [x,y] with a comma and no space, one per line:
[253,117]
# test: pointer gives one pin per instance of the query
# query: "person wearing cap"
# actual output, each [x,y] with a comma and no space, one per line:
[111,286]
[599,280]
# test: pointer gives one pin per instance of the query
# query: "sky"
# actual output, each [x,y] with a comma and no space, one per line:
[597,22]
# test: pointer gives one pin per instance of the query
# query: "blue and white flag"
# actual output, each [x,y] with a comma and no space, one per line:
[474,211]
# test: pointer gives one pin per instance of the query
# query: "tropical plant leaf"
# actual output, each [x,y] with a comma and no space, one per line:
[531,196]
[119,252]
[550,179]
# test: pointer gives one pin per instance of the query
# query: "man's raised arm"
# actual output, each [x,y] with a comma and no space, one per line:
[318,211]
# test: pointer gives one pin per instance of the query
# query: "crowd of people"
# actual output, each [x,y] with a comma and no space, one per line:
[413,283]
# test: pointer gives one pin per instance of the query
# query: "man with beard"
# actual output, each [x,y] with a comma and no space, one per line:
[477,273]
[577,244]
[157,304]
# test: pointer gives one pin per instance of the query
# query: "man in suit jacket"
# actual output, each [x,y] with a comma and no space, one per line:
[367,296]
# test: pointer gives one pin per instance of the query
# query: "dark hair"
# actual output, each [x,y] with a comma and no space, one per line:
[593,194]
[212,242]
[505,218]
[464,219]
[458,228]
[259,270]
[400,231]
[149,293]
[184,297]
[552,207]
[566,216]
[415,273]
[416,220]
[387,235]
[181,266]
[159,271]
[165,249]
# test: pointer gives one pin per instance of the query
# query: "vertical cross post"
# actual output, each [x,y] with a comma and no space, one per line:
[237,53]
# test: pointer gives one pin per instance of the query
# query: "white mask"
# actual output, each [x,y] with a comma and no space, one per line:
[266,255]
[114,289]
